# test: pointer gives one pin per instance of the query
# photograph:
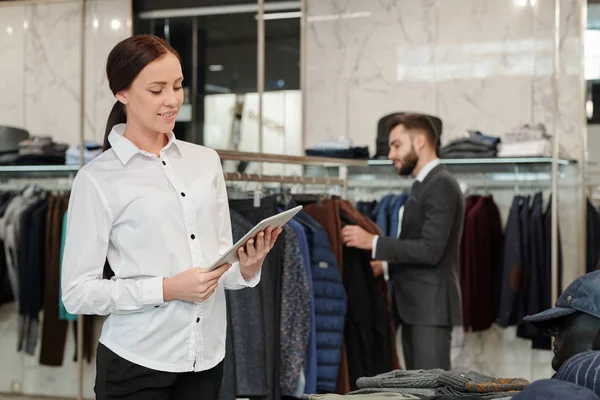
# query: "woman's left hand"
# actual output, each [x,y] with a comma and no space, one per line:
[252,259]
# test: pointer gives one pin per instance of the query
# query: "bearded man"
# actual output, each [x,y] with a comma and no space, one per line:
[422,262]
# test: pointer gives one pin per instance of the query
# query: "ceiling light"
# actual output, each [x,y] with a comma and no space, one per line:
[95,23]
[25,25]
[215,68]
[115,24]
[9,30]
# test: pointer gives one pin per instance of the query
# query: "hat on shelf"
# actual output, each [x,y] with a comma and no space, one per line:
[381,142]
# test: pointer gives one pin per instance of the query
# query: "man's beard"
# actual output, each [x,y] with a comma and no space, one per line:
[408,163]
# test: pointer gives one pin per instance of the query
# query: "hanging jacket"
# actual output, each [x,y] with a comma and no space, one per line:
[309,375]
[512,268]
[464,265]
[368,340]
[483,246]
[382,214]
[245,367]
[295,313]
[330,303]
[395,206]
[328,215]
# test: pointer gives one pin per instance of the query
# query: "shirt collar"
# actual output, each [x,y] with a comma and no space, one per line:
[125,149]
[427,169]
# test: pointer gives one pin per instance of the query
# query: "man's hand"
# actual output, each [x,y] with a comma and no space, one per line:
[377,268]
[252,258]
[355,236]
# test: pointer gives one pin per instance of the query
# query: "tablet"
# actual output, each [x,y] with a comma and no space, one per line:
[276,221]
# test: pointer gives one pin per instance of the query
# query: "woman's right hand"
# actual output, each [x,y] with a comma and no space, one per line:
[194,285]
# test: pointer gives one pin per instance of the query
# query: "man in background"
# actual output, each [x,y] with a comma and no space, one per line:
[423,260]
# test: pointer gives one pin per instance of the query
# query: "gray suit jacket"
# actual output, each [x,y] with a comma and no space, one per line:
[424,259]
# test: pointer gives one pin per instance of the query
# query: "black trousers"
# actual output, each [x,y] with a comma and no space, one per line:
[117,378]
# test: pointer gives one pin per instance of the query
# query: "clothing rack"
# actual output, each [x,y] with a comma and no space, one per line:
[53,178]
[397,183]
[341,164]
[59,178]
[303,180]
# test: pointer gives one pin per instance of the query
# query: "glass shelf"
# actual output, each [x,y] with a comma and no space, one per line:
[12,172]
[487,161]
[38,168]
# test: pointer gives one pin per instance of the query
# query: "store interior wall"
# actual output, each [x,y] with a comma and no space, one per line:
[485,65]
[40,81]
[489,69]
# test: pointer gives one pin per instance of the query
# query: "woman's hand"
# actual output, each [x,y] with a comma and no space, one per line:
[252,259]
[194,285]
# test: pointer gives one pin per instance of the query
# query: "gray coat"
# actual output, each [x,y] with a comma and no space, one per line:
[424,259]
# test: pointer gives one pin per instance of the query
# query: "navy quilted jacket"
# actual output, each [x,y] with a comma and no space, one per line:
[330,303]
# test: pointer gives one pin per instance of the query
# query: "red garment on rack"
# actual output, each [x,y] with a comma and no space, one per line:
[482,262]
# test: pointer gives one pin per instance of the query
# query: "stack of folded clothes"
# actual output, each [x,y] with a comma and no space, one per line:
[90,151]
[41,150]
[528,141]
[476,145]
[437,382]
[341,147]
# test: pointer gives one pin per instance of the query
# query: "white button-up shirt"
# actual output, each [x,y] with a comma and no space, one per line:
[151,217]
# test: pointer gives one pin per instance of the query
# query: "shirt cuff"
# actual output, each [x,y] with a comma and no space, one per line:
[152,291]
[239,278]
[386,270]
[374,244]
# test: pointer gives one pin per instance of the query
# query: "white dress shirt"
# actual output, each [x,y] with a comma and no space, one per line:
[151,217]
[420,178]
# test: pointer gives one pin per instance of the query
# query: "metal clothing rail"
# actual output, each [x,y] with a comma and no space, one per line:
[304,180]
[481,183]
[284,159]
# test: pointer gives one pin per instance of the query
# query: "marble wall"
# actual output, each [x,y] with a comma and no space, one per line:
[478,65]
[40,65]
[40,91]
[485,65]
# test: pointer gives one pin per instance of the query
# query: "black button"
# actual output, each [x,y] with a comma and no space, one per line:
[197,319]
[182,194]
[155,306]
[193,236]
[164,163]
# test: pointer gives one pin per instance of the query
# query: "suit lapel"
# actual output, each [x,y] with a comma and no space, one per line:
[432,173]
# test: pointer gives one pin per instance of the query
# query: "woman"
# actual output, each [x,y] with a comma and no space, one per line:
[156,209]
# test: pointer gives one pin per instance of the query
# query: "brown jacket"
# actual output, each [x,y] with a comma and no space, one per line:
[328,216]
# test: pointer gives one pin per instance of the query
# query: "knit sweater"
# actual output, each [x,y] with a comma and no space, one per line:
[446,383]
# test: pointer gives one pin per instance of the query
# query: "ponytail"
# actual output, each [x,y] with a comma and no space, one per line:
[117,116]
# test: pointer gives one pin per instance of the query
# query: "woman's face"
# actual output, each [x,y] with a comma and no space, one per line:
[155,96]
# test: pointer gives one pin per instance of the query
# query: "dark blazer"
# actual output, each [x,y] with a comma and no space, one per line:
[424,259]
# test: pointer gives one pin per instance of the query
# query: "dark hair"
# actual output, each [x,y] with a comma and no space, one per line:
[416,122]
[124,63]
